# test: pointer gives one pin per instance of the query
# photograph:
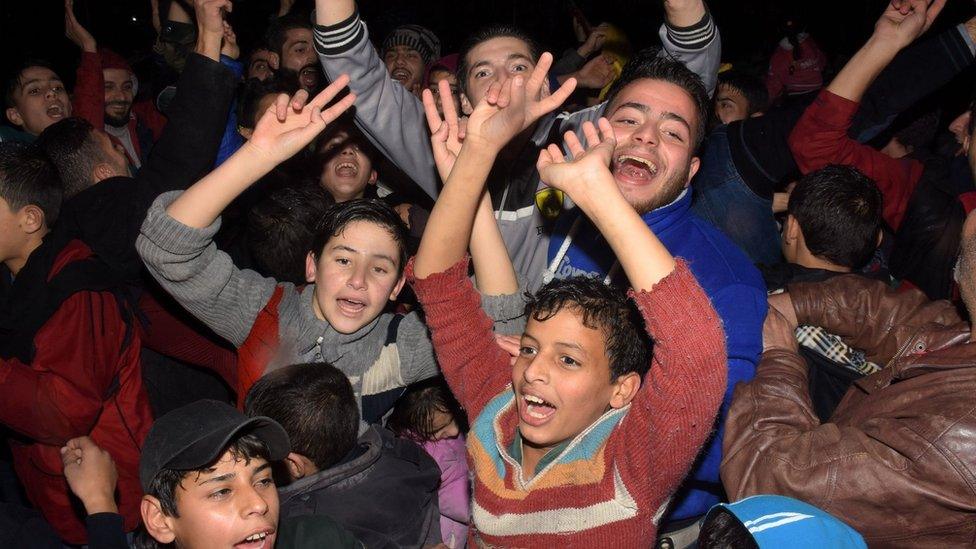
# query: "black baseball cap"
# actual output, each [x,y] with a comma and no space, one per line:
[195,435]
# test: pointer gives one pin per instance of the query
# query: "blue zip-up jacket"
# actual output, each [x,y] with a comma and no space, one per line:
[732,283]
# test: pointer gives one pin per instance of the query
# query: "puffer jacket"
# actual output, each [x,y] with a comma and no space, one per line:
[897,460]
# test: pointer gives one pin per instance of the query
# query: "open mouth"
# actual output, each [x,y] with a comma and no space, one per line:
[347,169]
[402,75]
[309,77]
[55,111]
[257,540]
[350,307]
[635,167]
[535,411]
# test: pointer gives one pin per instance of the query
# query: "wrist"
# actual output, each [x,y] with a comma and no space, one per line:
[208,46]
[103,503]
[601,198]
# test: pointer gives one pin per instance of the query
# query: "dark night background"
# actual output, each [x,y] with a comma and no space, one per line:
[749,27]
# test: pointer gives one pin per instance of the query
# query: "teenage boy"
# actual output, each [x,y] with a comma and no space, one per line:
[393,119]
[570,447]
[354,269]
[739,96]
[69,347]
[381,488]
[35,98]
[206,474]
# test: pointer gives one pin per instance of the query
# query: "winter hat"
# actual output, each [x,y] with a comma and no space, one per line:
[111,60]
[419,38]
[778,521]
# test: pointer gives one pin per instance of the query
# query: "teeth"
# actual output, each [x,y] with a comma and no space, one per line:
[650,165]
[534,399]
[256,537]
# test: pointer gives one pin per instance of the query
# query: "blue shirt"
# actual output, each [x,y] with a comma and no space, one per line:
[729,279]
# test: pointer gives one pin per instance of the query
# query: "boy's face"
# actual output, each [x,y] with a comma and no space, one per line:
[654,123]
[346,170]
[730,104]
[435,77]
[355,275]
[226,505]
[562,379]
[495,60]
[40,101]
[406,66]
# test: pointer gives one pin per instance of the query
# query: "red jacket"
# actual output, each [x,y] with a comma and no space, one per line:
[85,379]
[89,103]
[820,138]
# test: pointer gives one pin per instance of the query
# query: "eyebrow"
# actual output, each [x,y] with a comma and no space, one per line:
[299,41]
[33,80]
[345,248]
[511,57]
[665,115]
[231,475]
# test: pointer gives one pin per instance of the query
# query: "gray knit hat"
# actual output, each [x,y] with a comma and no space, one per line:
[419,38]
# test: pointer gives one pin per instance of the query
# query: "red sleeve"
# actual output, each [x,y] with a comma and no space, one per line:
[59,395]
[89,95]
[774,77]
[475,367]
[150,117]
[675,410]
[820,138]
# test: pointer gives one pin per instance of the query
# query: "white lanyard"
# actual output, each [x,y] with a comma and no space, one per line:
[550,272]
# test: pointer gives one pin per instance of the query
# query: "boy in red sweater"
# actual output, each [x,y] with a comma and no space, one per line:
[571,447]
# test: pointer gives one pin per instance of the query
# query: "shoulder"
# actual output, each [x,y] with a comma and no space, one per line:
[715,260]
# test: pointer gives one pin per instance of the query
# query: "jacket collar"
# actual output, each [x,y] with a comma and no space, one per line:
[927,353]
[665,217]
[371,441]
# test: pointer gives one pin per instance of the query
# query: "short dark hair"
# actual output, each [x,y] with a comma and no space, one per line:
[253,91]
[280,231]
[751,87]
[723,530]
[839,211]
[485,34]
[14,81]
[27,177]
[339,216]
[316,406]
[413,414]
[603,308]
[72,148]
[278,31]
[163,486]
[649,64]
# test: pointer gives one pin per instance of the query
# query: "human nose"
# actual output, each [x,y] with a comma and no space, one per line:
[254,503]
[357,278]
[646,134]
[535,370]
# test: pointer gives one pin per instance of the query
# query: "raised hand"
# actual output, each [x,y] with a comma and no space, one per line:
[596,73]
[539,101]
[91,474]
[499,116]
[445,134]
[210,15]
[229,45]
[75,31]
[587,175]
[905,20]
[594,42]
[290,124]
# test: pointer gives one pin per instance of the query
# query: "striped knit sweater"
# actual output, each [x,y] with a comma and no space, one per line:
[612,483]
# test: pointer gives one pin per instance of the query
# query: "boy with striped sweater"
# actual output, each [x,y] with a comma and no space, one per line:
[583,441]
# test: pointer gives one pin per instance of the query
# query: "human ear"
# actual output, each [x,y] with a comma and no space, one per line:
[33,218]
[13,115]
[791,230]
[274,60]
[158,525]
[398,288]
[625,389]
[296,466]
[373,176]
[102,171]
[310,267]
[693,169]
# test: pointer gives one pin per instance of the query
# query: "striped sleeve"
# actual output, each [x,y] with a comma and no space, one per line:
[341,37]
[694,37]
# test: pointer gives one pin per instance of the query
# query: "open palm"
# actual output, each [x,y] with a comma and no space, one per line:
[289,125]
[588,171]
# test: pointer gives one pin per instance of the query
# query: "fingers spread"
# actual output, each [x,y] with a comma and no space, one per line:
[573,144]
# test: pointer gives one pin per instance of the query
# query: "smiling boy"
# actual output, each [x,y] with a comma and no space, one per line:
[354,269]
[584,440]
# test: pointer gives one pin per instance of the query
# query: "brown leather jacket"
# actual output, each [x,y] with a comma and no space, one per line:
[898,459]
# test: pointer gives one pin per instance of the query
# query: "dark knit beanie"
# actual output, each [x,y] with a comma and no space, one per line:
[419,38]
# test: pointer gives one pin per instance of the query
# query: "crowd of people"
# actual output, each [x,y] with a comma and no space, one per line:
[343,291]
